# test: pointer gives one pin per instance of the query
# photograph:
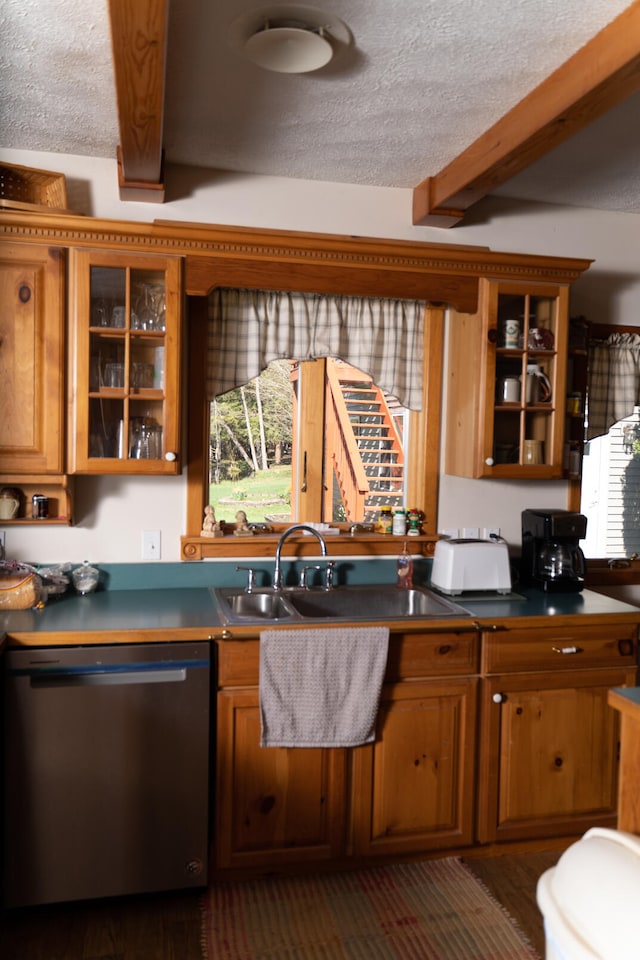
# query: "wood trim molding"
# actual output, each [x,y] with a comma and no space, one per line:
[323,263]
[603,73]
[139,31]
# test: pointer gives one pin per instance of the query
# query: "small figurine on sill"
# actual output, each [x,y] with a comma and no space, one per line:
[242,527]
[210,528]
[415,518]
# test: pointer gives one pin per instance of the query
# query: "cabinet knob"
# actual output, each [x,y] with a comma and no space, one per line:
[489,461]
[498,697]
[170,456]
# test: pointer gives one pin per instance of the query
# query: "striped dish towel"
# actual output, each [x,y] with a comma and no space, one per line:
[321,688]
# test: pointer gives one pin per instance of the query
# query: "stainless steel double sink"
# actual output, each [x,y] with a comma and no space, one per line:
[299,604]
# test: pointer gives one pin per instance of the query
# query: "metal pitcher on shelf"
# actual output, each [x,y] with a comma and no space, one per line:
[538,387]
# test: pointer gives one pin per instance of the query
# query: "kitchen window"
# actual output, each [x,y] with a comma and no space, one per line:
[307,440]
[420,430]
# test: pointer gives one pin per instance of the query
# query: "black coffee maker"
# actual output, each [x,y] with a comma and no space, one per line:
[551,557]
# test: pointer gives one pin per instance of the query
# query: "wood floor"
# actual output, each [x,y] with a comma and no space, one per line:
[167,926]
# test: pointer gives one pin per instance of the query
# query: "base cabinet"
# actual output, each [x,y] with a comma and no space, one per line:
[410,790]
[500,737]
[275,805]
[413,787]
[549,741]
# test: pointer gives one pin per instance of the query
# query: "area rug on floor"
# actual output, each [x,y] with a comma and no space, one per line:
[420,911]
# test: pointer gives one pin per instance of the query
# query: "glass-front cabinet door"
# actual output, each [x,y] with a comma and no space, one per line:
[507,383]
[125,363]
[528,384]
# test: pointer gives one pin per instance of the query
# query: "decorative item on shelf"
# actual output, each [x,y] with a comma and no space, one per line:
[85,578]
[260,528]
[415,518]
[532,452]
[210,527]
[538,388]
[541,339]
[10,500]
[511,333]
[242,528]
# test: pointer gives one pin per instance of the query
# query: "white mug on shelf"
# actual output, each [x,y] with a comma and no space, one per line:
[510,389]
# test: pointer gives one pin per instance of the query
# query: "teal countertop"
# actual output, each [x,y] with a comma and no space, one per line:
[190,611]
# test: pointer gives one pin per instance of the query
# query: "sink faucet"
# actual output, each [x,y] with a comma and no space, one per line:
[277,571]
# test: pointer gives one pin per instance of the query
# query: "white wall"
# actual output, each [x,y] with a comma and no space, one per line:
[112,512]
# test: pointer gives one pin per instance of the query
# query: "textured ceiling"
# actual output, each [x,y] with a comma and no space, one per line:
[421,81]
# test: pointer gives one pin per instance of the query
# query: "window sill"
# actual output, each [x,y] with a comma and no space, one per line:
[264,545]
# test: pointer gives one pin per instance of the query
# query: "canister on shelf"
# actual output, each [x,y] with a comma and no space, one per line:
[39,507]
[400,523]
[574,404]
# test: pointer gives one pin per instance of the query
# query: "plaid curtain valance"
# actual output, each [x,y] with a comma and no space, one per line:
[614,381]
[250,328]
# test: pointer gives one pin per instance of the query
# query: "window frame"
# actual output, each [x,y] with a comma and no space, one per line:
[600,570]
[423,456]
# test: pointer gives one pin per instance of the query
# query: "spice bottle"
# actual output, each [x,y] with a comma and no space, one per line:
[404,566]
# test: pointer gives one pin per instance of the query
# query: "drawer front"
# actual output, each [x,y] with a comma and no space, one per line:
[565,648]
[432,655]
[410,655]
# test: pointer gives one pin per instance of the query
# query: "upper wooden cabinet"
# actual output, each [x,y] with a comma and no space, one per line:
[31,358]
[124,363]
[506,383]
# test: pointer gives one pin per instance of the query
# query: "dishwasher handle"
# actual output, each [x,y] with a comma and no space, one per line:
[109,675]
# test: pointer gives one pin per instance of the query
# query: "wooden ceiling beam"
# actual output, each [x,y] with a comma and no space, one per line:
[139,49]
[603,73]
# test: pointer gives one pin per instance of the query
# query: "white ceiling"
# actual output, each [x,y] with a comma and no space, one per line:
[422,80]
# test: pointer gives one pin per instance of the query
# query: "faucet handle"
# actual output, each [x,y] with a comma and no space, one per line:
[328,574]
[251,580]
[303,573]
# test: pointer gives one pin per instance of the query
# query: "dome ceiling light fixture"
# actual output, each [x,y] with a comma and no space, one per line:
[289,39]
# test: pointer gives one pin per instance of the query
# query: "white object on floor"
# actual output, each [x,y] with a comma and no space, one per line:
[590,898]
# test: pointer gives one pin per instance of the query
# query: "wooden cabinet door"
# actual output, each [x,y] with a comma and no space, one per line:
[413,788]
[504,420]
[125,347]
[31,359]
[274,805]
[549,753]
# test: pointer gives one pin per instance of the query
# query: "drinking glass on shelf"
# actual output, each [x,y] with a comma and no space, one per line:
[150,308]
[113,375]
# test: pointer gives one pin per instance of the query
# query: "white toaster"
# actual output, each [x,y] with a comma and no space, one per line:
[471,565]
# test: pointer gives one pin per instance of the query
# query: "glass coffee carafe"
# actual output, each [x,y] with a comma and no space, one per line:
[560,561]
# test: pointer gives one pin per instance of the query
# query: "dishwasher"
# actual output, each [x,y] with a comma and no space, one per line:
[106,757]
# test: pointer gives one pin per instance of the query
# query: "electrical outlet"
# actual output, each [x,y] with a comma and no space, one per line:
[488,533]
[150,544]
[470,533]
[449,532]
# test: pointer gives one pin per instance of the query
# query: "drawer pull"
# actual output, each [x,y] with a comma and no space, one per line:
[498,698]
[567,649]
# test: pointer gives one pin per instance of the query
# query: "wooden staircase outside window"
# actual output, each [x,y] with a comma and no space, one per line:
[365,456]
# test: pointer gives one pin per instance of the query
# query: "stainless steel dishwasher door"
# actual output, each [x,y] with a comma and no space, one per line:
[106,771]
